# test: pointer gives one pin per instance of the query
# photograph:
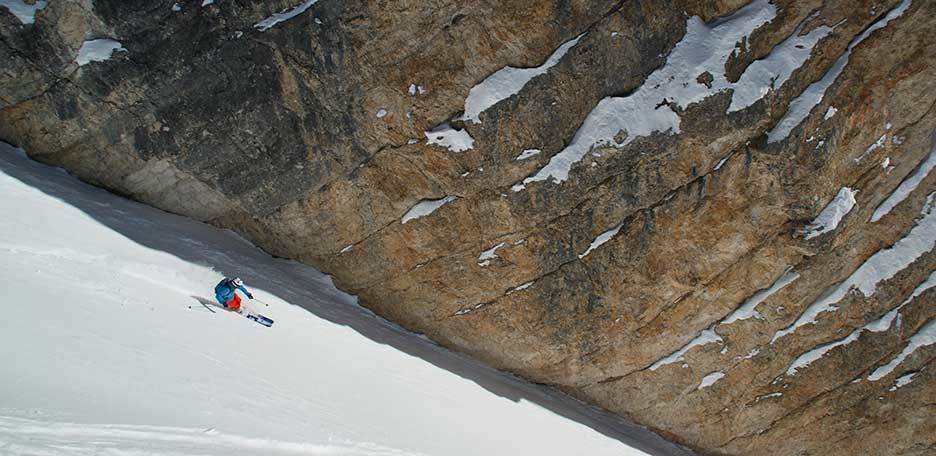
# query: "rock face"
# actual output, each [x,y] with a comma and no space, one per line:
[715,218]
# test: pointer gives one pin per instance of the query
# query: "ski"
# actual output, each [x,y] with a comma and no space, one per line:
[207,306]
[260,319]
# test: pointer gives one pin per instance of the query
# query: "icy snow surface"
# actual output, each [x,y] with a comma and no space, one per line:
[107,350]
[446,136]
[883,265]
[803,104]
[710,379]
[507,82]
[832,215]
[749,308]
[97,50]
[284,15]
[704,48]
[426,207]
[23,11]
[907,186]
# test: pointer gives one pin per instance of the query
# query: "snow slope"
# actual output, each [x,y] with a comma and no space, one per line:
[107,350]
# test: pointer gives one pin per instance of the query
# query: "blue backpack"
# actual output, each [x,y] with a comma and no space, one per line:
[224,291]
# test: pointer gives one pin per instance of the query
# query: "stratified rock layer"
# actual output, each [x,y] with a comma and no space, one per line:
[637,221]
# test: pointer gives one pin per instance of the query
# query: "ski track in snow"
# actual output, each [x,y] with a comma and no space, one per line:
[30,436]
[120,358]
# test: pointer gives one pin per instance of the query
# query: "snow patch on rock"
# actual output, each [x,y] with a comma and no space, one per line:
[907,186]
[830,217]
[768,74]
[880,325]
[803,104]
[284,15]
[452,138]
[617,121]
[601,239]
[749,308]
[709,336]
[710,379]
[815,354]
[506,82]
[924,337]
[903,381]
[97,50]
[426,207]
[520,287]
[486,256]
[883,265]
[23,11]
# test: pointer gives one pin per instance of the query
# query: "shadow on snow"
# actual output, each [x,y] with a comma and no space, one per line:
[227,253]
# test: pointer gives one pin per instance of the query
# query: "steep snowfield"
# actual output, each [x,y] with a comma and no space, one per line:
[106,350]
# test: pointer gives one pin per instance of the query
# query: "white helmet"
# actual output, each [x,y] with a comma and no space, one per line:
[237,282]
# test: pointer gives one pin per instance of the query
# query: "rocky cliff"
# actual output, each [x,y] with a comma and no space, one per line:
[715,218]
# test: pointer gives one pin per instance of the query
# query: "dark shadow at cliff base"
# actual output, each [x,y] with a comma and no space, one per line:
[301,285]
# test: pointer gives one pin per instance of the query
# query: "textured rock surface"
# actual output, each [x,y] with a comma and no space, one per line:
[309,138]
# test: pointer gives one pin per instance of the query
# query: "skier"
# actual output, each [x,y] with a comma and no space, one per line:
[226,293]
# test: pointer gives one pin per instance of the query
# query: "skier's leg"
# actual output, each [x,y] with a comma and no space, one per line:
[235,303]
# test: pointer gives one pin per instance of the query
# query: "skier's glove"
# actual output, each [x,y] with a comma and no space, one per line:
[249,295]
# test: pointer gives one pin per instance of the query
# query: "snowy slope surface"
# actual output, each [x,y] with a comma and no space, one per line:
[107,350]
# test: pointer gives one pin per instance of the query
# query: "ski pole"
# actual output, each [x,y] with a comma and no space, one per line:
[261,302]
